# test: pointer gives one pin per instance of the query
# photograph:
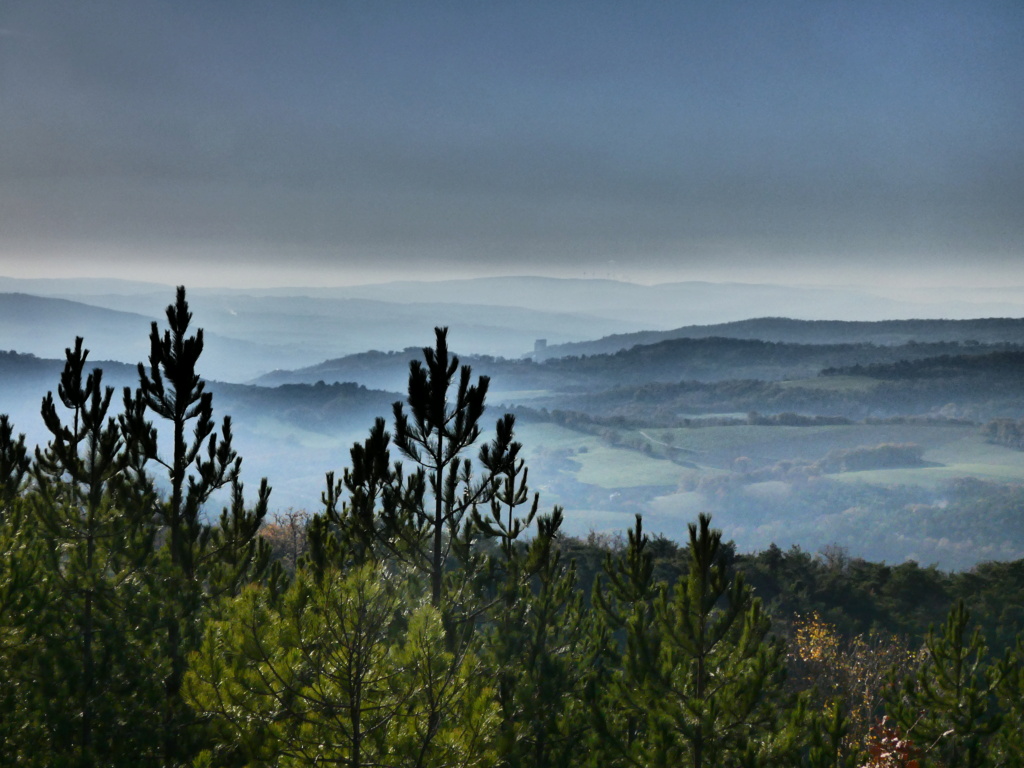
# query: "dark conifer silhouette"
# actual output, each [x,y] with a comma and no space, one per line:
[206,560]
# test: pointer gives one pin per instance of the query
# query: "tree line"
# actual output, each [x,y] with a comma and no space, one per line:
[435,617]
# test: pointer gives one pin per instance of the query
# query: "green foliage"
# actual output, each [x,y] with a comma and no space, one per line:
[14,464]
[94,660]
[700,681]
[829,740]
[536,650]
[1009,741]
[26,593]
[199,561]
[948,706]
[346,669]
[96,616]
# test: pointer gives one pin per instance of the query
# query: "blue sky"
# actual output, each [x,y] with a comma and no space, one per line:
[323,142]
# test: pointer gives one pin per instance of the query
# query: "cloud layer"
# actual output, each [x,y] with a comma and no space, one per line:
[573,138]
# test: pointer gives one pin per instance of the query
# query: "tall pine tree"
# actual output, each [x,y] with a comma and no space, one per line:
[948,706]
[700,680]
[203,560]
[95,513]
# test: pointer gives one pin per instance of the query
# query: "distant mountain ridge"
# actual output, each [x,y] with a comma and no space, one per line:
[671,304]
[45,326]
[251,332]
[792,331]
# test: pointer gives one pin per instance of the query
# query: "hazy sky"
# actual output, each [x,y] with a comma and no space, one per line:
[295,142]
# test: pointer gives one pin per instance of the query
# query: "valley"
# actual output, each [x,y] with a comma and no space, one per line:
[864,435]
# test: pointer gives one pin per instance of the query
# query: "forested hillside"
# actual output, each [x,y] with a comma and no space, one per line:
[704,359]
[432,611]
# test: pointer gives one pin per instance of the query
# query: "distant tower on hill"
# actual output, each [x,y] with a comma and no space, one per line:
[540,350]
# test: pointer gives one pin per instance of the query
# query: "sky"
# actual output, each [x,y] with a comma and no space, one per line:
[326,142]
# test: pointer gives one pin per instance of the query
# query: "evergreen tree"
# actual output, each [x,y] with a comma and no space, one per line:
[25,611]
[829,734]
[344,669]
[381,518]
[459,536]
[626,643]
[425,518]
[700,681]
[533,642]
[506,643]
[94,514]
[1009,741]
[203,560]
[14,464]
[947,707]
[441,428]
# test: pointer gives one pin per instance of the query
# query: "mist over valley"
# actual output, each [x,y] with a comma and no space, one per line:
[790,431]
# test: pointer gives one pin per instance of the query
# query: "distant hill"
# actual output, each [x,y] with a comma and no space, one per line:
[674,360]
[660,306]
[972,387]
[321,408]
[264,330]
[45,326]
[253,331]
[632,306]
[788,330]
[25,379]
[78,286]
[374,369]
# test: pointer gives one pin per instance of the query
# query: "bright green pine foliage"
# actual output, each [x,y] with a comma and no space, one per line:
[948,707]
[346,669]
[829,739]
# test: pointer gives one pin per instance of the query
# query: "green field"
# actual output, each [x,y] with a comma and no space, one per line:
[857,384]
[762,445]
[594,480]
[601,464]
[951,451]
[969,456]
